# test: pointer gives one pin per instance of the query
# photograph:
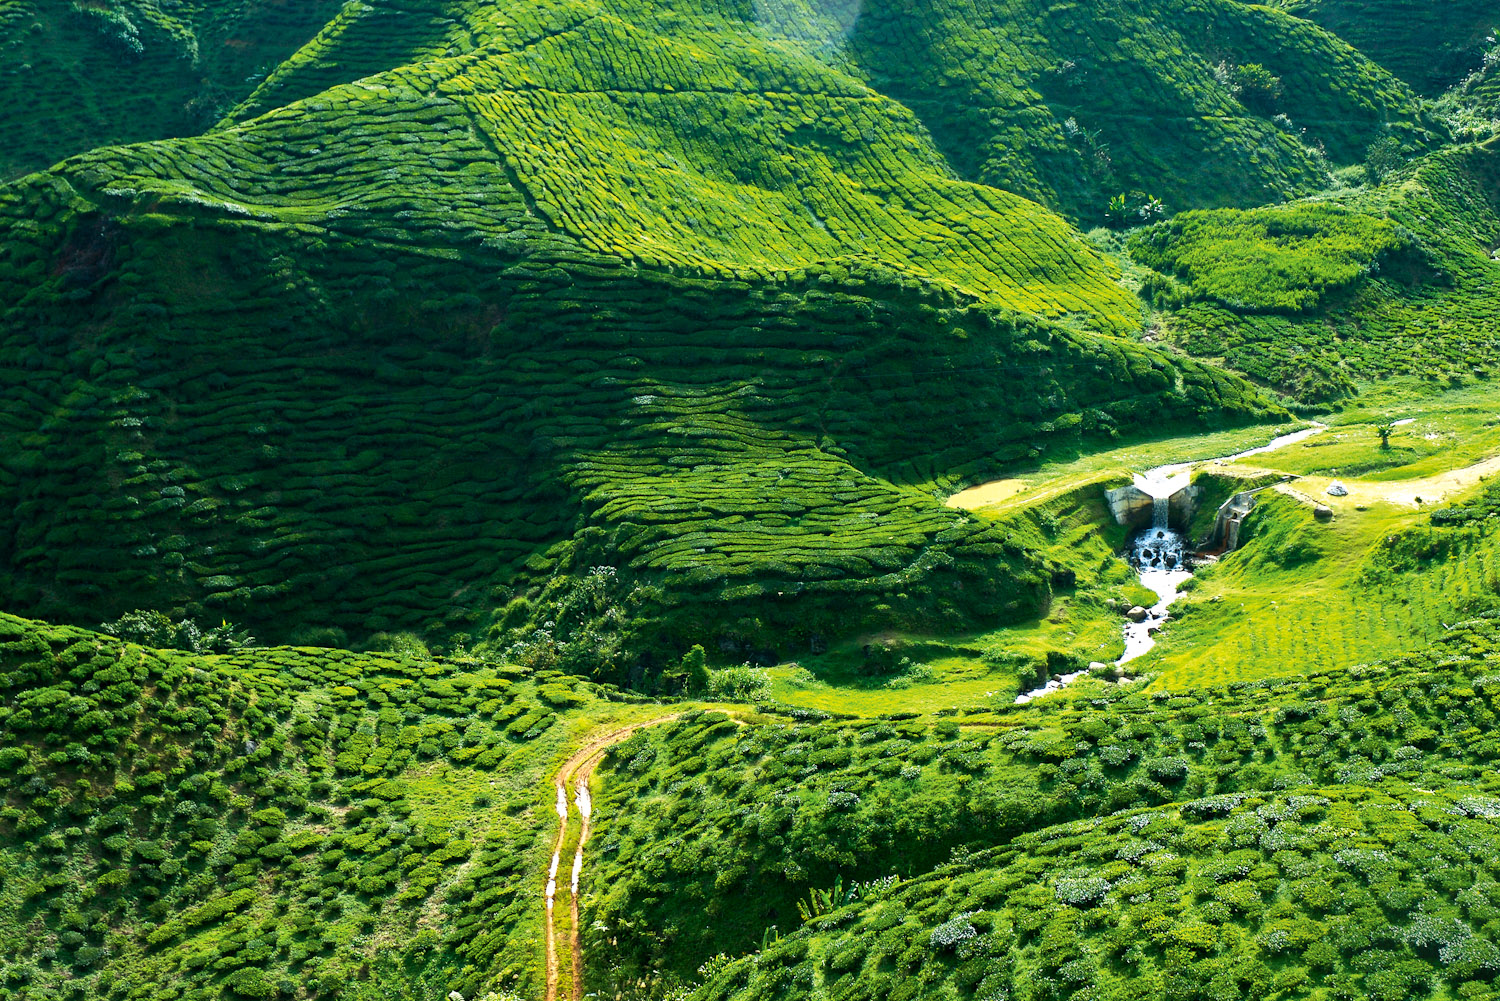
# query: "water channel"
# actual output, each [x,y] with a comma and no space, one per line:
[1160,555]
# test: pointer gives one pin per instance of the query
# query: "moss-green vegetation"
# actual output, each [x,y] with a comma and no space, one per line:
[1076,104]
[897,670]
[1281,259]
[270,823]
[1245,836]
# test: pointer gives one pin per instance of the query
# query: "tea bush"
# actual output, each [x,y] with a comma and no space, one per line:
[185,825]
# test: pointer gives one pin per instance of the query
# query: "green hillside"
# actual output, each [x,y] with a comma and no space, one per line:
[273,823]
[290,821]
[1199,104]
[1253,840]
[1430,46]
[1063,104]
[638,496]
[78,75]
[252,430]
[1357,285]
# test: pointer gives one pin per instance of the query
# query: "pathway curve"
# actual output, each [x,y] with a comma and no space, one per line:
[1425,491]
[576,774]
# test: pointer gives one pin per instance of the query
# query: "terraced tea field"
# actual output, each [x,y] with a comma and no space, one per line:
[542,500]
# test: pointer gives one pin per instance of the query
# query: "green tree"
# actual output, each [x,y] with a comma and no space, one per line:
[1257,88]
[1381,158]
[695,666]
[1385,431]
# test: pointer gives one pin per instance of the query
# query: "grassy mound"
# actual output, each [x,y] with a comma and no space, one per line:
[1281,258]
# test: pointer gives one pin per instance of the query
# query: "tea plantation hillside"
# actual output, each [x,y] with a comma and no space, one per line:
[1255,840]
[1197,104]
[1430,46]
[393,355]
[1316,296]
[274,823]
[76,76]
[1069,105]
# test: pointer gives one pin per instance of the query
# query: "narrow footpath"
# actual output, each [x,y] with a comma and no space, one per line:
[576,773]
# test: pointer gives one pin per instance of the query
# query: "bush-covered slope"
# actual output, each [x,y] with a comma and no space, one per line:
[1351,809]
[78,75]
[273,823]
[1072,104]
[383,357]
[1396,278]
[1319,892]
[1066,104]
[1430,46]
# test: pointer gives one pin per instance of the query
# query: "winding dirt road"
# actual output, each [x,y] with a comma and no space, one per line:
[576,773]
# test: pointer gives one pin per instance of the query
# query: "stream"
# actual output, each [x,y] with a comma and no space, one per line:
[1160,555]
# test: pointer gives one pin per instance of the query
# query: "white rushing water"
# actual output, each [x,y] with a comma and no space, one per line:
[1160,554]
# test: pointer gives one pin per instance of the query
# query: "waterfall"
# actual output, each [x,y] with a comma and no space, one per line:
[1161,508]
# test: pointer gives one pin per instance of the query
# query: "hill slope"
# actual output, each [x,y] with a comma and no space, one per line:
[1315,296]
[1430,47]
[370,360]
[76,76]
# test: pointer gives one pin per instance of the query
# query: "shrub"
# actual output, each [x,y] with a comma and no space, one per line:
[743,683]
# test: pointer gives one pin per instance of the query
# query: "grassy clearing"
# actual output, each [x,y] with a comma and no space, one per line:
[1302,595]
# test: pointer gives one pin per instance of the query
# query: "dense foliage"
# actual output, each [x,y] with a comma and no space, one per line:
[1235,841]
[268,823]
[1280,259]
[620,347]
[1198,104]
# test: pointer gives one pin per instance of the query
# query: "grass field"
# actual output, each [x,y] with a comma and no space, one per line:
[1377,581]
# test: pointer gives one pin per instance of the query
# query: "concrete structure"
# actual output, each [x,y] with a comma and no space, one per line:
[1131,506]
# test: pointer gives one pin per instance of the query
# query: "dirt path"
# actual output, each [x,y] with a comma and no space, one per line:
[1422,492]
[576,773]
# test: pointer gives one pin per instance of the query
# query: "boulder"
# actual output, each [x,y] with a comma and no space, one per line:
[1097,665]
[1323,512]
[1136,614]
[1337,489]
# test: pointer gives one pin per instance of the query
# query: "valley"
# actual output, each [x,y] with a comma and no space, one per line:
[697,501]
